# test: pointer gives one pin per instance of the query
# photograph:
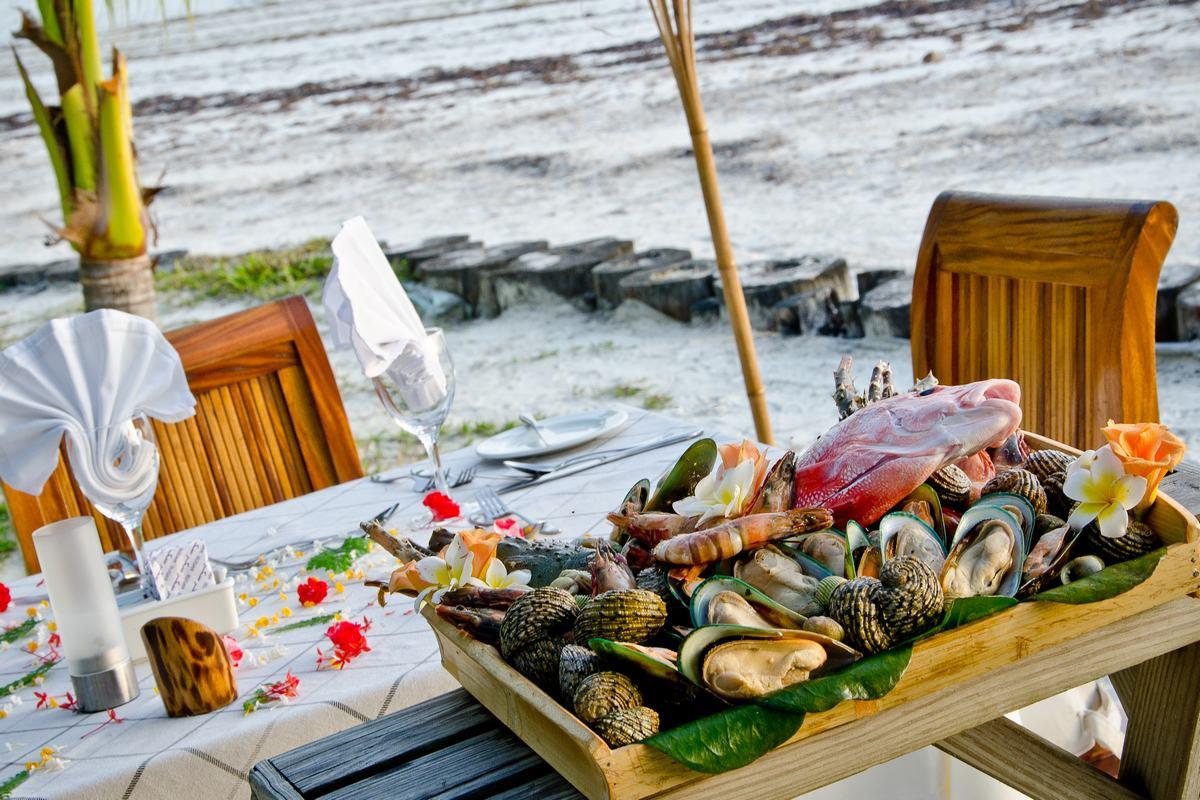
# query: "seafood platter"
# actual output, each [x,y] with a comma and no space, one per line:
[925,567]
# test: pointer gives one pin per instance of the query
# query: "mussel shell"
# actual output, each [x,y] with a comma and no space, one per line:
[635,500]
[857,543]
[785,576]
[808,565]
[773,614]
[977,519]
[824,548]
[898,526]
[926,494]
[869,563]
[696,462]
[697,644]
[1019,507]
[1065,541]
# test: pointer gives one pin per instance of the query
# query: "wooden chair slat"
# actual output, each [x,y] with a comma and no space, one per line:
[269,426]
[1031,288]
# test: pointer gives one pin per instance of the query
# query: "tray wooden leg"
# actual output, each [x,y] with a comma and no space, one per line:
[1162,745]
[1030,764]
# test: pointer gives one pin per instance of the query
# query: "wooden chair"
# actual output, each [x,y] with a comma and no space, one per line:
[1057,294]
[269,426]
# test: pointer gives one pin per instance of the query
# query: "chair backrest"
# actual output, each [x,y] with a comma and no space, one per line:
[269,426]
[1057,294]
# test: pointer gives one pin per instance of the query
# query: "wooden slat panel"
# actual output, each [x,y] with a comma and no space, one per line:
[267,783]
[269,426]
[1042,770]
[1056,293]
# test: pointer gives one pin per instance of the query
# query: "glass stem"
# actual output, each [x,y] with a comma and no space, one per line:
[430,440]
[134,534]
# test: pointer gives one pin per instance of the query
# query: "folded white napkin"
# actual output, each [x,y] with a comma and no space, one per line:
[369,310]
[74,377]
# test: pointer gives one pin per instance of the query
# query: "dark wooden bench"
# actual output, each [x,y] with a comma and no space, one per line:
[452,748]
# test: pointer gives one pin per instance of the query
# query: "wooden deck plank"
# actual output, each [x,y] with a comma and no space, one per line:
[548,786]
[268,783]
[381,745]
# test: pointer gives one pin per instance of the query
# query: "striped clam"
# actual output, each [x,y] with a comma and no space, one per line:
[1138,539]
[1021,482]
[603,692]
[1044,463]
[876,614]
[627,726]
[622,615]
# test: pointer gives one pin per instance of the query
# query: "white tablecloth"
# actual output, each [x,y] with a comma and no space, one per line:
[148,755]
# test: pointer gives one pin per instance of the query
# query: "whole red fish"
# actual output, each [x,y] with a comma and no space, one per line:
[871,460]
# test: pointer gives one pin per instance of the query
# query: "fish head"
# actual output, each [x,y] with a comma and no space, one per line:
[970,417]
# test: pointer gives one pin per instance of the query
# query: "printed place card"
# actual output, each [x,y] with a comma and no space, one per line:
[180,569]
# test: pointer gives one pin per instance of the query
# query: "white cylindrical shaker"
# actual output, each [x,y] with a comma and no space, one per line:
[85,610]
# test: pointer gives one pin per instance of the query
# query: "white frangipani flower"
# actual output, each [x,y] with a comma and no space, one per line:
[451,572]
[1105,493]
[722,493]
[497,576]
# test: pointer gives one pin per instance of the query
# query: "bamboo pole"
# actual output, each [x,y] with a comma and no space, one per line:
[674,20]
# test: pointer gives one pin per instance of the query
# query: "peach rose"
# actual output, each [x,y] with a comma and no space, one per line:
[1147,449]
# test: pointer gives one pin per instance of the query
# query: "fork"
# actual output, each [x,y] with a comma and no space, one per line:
[492,508]
[242,566]
[464,476]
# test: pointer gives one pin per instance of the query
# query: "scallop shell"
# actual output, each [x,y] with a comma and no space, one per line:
[602,693]
[623,615]
[627,726]
[1020,482]
[541,613]
[952,485]
[1044,463]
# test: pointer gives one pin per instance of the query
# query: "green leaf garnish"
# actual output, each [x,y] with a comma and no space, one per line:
[26,680]
[961,610]
[340,558]
[1108,582]
[868,679]
[728,739]
[19,631]
[10,785]
[305,623]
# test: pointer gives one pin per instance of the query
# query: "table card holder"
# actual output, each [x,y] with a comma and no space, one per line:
[191,666]
[85,611]
[214,606]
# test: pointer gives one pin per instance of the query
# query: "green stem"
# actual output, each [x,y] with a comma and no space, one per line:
[81,138]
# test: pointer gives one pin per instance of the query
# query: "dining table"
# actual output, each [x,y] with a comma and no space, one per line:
[51,751]
[340,735]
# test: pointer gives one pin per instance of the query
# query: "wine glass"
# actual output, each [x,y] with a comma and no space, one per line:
[418,399]
[116,467]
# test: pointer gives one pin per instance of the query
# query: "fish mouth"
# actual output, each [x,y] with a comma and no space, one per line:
[974,395]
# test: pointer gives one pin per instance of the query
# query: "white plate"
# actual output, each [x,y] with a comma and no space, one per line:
[561,433]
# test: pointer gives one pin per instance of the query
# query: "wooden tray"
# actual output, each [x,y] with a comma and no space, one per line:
[955,681]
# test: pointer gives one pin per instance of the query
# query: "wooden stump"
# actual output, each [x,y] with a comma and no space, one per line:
[416,253]
[459,272]
[808,312]
[868,279]
[1183,317]
[564,271]
[885,309]
[766,283]
[191,668]
[606,276]
[673,290]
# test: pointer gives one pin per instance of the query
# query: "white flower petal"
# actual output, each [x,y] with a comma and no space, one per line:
[1114,521]
[1083,514]
[495,573]
[1084,462]
[1130,490]
[518,577]
[433,570]
[1107,468]
[689,507]
[1080,486]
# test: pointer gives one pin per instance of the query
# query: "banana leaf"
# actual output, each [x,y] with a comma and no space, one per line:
[1108,582]
[728,739]
[868,679]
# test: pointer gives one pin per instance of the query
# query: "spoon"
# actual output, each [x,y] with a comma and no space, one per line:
[529,422]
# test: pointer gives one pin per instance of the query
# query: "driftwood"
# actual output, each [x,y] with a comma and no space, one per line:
[673,290]
[607,276]
[191,667]
[846,396]
[402,548]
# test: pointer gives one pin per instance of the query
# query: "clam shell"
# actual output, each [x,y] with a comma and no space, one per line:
[538,661]
[538,614]
[694,651]
[1044,463]
[1021,482]
[952,485]
[1045,561]
[623,615]
[627,726]
[574,664]
[600,694]
[742,669]
[1138,540]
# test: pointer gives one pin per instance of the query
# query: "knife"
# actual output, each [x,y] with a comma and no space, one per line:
[598,459]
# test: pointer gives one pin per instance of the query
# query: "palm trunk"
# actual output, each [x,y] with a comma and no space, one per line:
[124,284]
